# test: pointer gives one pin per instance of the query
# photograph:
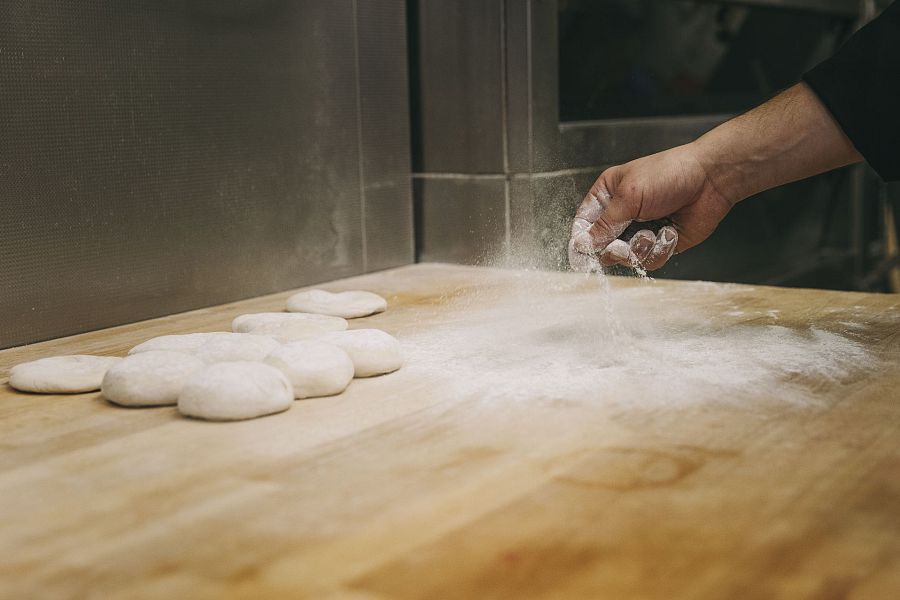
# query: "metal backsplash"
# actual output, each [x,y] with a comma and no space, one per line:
[157,157]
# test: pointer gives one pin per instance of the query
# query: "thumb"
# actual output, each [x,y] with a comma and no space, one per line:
[612,214]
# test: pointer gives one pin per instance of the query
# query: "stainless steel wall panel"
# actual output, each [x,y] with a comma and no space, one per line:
[460,86]
[384,134]
[545,86]
[389,225]
[519,101]
[158,157]
[461,219]
[532,83]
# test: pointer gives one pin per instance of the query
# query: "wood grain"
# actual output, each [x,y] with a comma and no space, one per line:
[419,485]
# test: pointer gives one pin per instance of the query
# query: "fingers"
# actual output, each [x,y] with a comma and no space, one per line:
[603,233]
[607,217]
[629,254]
[645,249]
[641,244]
[663,248]
[617,252]
[593,204]
[587,214]
[579,261]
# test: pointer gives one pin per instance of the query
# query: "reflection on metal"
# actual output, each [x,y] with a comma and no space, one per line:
[160,157]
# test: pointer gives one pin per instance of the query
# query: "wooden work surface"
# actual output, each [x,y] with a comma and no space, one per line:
[698,441]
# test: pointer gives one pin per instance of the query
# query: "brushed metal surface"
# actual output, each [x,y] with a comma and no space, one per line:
[533,86]
[460,219]
[460,82]
[158,157]
[384,135]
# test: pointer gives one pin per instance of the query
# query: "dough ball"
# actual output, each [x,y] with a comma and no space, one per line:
[313,368]
[187,342]
[290,331]
[61,374]
[247,323]
[231,391]
[342,304]
[372,351]
[236,347]
[152,378]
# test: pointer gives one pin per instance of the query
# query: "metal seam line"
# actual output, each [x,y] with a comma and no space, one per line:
[459,175]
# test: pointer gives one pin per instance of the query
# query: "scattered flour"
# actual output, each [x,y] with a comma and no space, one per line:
[631,345]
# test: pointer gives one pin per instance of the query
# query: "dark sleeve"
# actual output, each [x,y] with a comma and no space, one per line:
[860,86]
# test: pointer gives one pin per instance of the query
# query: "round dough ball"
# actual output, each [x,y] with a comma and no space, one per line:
[186,342]
[231,391]
[290,331]
[342,304]
[313,368]
[152,378]
[236,347]
[247,323]
[372,351]
[61,374]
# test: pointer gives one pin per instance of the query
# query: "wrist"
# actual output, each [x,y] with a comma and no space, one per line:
[726,175]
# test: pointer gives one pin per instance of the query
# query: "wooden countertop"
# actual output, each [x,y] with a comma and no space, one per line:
[695,441]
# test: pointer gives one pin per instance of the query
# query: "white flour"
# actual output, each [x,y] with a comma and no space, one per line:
[576,339]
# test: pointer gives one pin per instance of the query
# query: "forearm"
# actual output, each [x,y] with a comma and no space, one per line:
[790,137]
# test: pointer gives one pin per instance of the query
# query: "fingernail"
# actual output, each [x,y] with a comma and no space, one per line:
[641,244]
[668,234]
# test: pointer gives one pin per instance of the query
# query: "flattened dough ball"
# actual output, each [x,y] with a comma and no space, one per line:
[233,391]
[152,378]
[186,342]
[247,323]
[61,374]
[349,305]
[314,368]
[290,331]
[236,347]
[373,352]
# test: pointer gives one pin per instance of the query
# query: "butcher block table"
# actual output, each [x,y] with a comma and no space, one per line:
[551,435]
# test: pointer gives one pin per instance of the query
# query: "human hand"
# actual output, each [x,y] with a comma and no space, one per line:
[672,184]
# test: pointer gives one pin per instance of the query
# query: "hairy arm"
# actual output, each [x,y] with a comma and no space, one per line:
[790,137]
